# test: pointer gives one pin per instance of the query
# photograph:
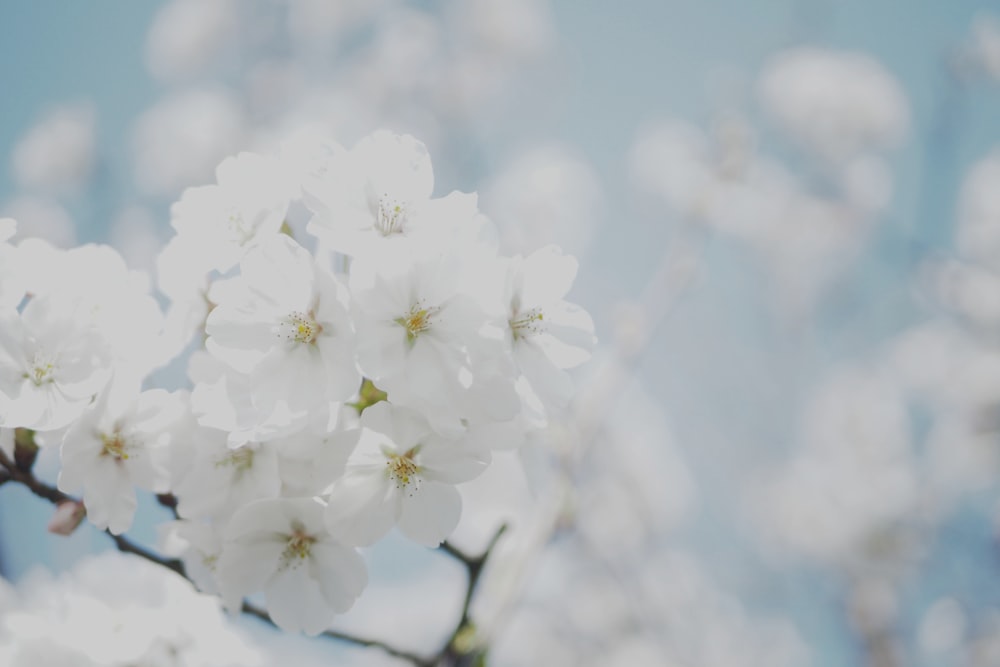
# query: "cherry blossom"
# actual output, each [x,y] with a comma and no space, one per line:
[281,546]
[402,474]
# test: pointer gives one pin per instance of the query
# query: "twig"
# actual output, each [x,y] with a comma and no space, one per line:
[259,613]
[37,487]
[10,472]
[125,545]
[452,653]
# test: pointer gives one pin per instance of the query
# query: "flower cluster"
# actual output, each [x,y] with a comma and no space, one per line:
[112,610]
[348,380]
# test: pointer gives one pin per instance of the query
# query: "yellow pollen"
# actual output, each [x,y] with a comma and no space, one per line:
[298,548]
[300,328]
[391,217]
[240,459]
[526,324]
[416,322]
[41,371]
[114,445]
[402,468]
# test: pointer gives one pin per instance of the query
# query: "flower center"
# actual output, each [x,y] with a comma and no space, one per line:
[391,216]
[298,547]
[115,445]
[527,324]
[416,321]
[402,468]
[299,328]
[239,231]
[240,459]
[42,370]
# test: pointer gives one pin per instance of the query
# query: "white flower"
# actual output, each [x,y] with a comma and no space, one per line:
[309,462]
[52,363]
[223,479]
[198,545]
[380,191]
[287,326]
[420,337]
[282,547]
[94,282]
[222,399]
[545,333]
[402,474]
[119,444]
[225,220]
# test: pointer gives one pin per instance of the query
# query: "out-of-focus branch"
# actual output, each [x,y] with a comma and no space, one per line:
[451,654]
[461,648]
[253,610]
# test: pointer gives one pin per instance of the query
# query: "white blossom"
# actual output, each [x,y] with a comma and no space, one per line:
[282,547]
[248,204]
[287,326]
[546,333]
[381,191]
[422,336]
[52,363]
[402,474]
[119,444]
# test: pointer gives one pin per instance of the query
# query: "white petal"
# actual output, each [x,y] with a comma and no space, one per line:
[296,603]
[431,514]
[340,572]
[452,462]
[361,508]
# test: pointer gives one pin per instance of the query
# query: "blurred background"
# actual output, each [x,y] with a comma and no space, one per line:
[787,213]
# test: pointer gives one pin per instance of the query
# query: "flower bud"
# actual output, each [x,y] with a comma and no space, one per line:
[68,515]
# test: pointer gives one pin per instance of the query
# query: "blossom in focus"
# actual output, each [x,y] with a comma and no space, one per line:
[117,445]
[281,546]
[286,325]
[402,474]
[546,333]
[421,333]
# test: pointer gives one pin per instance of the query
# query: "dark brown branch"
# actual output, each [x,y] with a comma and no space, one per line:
[453,653]
[37,487]
[125,545]
[11,472]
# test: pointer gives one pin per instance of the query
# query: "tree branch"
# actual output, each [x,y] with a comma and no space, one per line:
[454,652]
[125,545]
[37,487]
[473,564]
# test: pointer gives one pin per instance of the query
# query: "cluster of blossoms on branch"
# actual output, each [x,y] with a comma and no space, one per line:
[345,384]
